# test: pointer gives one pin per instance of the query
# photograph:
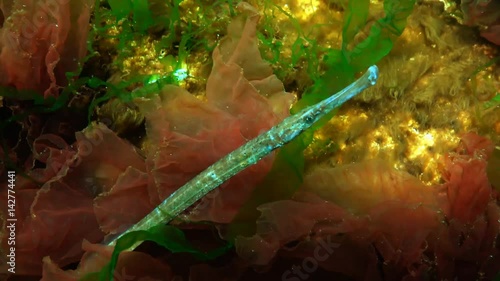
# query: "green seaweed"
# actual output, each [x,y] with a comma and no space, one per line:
[152,84]
[342,66]
[139,9]
[354,22]
[120,8]
[305,47]
[167,236]
[178,39]
[142,21]
[494,101]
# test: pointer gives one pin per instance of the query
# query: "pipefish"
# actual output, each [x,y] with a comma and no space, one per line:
[248,154]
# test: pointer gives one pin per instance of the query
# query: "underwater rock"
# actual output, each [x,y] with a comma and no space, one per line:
[41,40]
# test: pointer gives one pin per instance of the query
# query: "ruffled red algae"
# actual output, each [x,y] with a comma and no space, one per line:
[130,266]
[41,40]
[485,13]
[100,185]
[187,135]
[384,222]
[55,217]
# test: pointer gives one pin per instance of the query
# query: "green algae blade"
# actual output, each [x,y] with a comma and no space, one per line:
[167,236]
[142,15]
[120,8]
[354,20]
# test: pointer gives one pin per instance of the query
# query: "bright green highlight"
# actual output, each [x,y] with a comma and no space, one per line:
[495,101]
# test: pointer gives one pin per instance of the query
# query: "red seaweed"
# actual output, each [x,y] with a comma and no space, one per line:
[42,40]
[187,135]
[372,213]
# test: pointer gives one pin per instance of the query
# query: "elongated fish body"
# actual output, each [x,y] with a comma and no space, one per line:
[249,154]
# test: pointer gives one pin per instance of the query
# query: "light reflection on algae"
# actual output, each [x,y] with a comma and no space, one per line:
[427,96]
[425,100]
